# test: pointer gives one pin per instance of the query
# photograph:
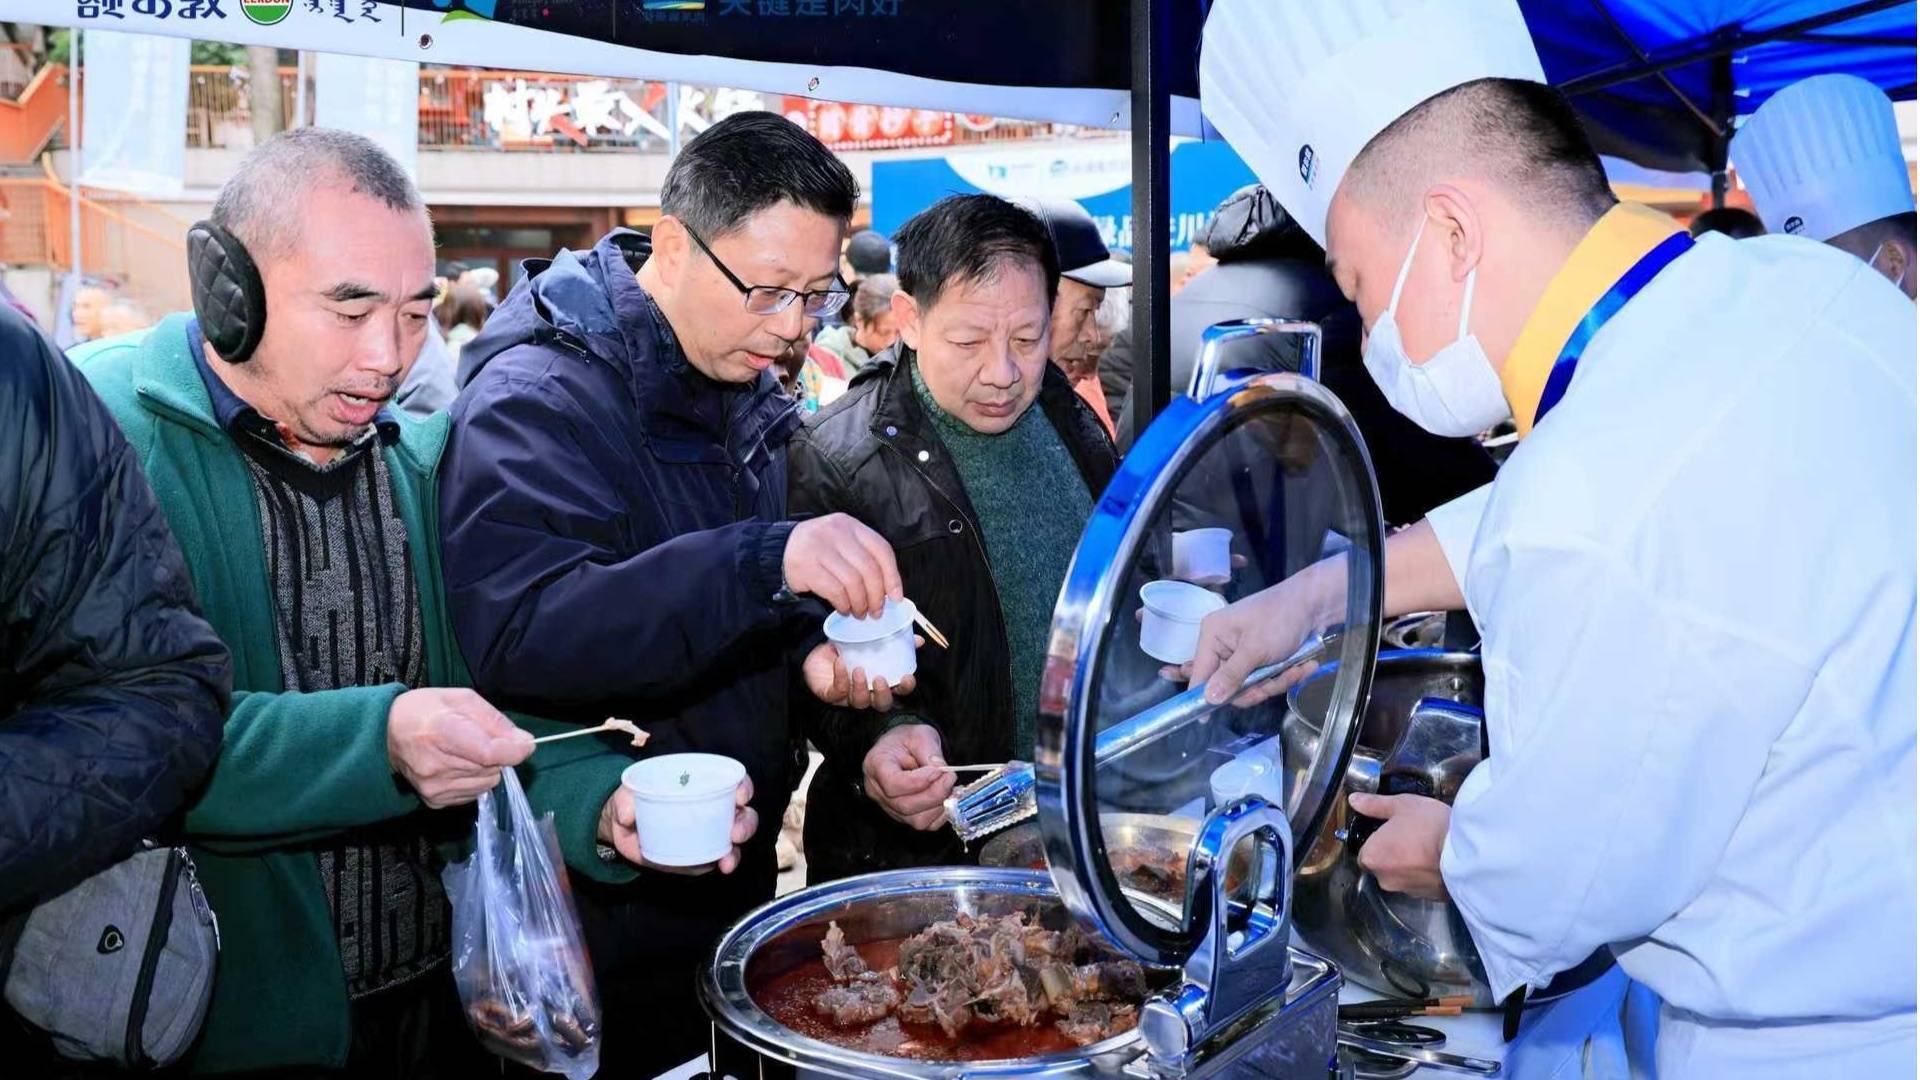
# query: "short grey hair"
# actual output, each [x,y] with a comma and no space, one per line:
[256,203]
[1115,312]
[873,297]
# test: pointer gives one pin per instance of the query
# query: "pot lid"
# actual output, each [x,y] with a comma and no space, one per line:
[1278,463]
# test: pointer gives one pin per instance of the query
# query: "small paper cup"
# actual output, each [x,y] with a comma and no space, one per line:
[683,806]
[1252,773]
[1170,629]
[882,646]
[1203,556]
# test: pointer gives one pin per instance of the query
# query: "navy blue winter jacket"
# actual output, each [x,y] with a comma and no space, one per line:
[614,525]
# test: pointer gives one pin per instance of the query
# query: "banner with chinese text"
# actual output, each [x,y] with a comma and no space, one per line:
[134,113]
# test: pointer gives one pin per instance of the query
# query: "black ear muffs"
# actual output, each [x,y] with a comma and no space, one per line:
[229,298]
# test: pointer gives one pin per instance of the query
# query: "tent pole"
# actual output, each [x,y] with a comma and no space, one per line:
[1722,137]
[74,121]
[673,121]
[1151,29]
[1619,31]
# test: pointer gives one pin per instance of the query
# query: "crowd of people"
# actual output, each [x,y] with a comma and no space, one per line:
[292,577]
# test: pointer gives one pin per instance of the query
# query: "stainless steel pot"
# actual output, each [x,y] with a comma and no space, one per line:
[787,933]
[1387,942]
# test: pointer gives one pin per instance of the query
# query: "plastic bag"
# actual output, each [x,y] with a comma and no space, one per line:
[519,958]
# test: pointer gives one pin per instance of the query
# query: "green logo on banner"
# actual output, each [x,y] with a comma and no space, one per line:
[266,12]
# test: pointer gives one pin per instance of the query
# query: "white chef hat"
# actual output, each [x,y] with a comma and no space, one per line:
[1823,156]
[1299,87]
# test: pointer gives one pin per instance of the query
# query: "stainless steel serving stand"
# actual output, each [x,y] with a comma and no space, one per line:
[1248,1002]
[1241,1000]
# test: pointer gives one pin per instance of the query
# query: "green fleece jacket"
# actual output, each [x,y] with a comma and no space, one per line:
[296,767]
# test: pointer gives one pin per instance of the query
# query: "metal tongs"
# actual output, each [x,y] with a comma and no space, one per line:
[1438,1059]
[1005,797]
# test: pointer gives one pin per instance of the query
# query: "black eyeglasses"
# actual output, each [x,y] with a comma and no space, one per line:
[772,299]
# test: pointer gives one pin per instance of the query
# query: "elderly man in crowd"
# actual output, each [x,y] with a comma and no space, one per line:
[1087,271]
[973,456]
[868,331]
[305,509]
[615,515]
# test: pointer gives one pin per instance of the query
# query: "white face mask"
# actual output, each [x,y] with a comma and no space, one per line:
[1457,392]
[1884,270]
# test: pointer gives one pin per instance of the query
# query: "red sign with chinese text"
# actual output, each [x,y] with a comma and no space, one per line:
[869,127]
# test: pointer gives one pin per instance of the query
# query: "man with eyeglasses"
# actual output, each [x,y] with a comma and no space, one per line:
[613,506]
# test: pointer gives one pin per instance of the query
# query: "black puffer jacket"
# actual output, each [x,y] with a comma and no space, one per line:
[874,454]
[113,690]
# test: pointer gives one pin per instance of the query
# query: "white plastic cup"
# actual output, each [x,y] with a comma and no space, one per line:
[1203,556]
[1254,772]
[683,806]
[1170,629]
[882,646]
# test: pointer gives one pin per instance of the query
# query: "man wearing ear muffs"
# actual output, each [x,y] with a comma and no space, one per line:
[305,508]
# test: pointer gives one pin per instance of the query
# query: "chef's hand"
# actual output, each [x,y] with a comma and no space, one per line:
[843,562]
[830,681]
[451,745]
[903,777]
[1263,628]
[1404,853]
[617,831]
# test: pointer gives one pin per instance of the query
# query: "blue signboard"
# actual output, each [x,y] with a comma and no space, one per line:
[1095,173]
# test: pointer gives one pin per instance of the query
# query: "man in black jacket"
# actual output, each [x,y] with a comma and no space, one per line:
[112,687]
[614,512]
[970,452]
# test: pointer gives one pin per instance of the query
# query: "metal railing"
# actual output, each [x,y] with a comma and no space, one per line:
[145,257]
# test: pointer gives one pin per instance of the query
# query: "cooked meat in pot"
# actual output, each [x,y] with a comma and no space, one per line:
[1091,1021]
[994,970]
[843,960]
[864,1000]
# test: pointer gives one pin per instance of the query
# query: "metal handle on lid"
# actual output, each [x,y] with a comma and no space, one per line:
[1191,704]
[1005,797]
[1241,953]
[1214,339]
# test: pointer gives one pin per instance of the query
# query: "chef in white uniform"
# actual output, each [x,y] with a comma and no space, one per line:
[1694,577]
[1822,159]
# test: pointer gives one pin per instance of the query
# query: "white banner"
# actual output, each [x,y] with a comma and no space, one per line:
[133,129]
[379,28]
[376,98]
[1048,172]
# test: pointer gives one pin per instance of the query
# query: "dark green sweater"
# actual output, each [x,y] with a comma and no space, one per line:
[1032,504]
[299,768]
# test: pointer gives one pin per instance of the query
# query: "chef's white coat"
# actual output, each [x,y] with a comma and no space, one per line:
[1695,583]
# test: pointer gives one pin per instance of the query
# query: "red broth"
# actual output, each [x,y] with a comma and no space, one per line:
[789,999]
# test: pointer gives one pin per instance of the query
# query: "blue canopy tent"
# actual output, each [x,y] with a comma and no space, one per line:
[1659,82]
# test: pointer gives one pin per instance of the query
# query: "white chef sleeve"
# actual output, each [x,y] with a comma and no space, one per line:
[1455,524]
[1628,730]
